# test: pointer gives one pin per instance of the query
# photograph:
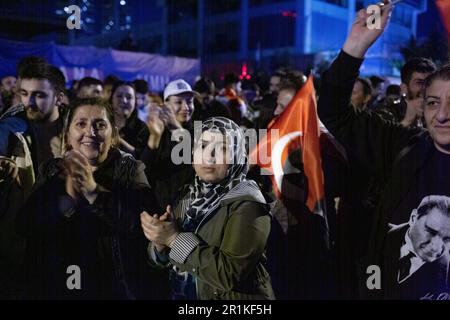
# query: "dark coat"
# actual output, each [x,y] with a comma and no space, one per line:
[394,155]
[104,239]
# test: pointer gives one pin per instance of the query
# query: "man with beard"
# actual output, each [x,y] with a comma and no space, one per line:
[29,136]
[413,75]
[7,92]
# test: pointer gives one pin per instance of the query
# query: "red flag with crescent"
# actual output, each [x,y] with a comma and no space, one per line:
[298,123]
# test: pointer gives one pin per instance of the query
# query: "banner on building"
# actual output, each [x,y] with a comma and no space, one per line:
[77,62]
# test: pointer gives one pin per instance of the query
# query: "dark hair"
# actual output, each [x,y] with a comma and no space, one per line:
[292,80]
[230,78]
[442,74]
[205,85]
[37,68]
[367,87]
[78,102]
[89,81]
[29,60]
[375,81]
[421,65]
[110,80]
[141,86]
[250,85]
[441,205]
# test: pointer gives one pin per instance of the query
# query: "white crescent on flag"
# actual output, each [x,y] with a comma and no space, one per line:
[277,152]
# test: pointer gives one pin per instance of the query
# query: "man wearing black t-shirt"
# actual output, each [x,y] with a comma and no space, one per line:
[410,163]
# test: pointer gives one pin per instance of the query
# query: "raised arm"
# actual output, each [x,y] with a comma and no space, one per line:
[373,141]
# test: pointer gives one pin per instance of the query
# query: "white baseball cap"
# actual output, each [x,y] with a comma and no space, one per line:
[176,87]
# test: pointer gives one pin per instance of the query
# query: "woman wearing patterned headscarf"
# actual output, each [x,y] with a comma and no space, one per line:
[216,237]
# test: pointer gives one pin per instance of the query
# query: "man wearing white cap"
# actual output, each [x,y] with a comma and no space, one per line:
[179,97]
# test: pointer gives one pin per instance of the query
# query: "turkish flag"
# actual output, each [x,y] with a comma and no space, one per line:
[297,125]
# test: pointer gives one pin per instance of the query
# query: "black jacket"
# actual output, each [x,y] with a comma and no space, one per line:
[135,133]
[104,239]
[394,155]
[164,176]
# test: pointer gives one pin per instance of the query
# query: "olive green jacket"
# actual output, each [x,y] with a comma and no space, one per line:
[226,252]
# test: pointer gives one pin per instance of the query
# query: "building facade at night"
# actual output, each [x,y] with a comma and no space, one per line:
[223,34]
[270,32]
